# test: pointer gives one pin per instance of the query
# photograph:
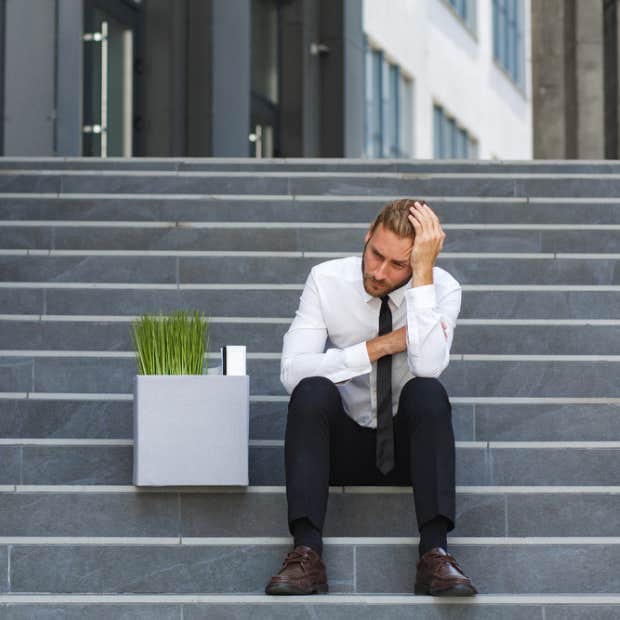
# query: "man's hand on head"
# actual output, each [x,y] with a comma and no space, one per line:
[429,238]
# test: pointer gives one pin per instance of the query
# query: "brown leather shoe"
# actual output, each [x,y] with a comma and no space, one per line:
[302,572]
[438,574]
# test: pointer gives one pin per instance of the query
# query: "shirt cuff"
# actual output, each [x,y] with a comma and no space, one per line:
[422,296]
[356,356]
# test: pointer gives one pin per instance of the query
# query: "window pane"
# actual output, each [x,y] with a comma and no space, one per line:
[463,144]
[437,132]
[370,103]
[406,117]
[377,71]
[450,146]
[386,109]
[394,128]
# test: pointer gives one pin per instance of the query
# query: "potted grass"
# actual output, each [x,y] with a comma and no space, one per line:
[191,426]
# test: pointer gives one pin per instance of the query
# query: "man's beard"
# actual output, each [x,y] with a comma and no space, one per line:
[402,283]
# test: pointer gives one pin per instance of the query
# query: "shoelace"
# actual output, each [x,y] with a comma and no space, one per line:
[294,557]
[450,560]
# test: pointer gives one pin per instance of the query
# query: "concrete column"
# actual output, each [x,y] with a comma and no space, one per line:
[549,78]
[589,79]
[199,73]
[69,100]
[231,78]
[29,76]
[299,92]
[342,79]
[164,78]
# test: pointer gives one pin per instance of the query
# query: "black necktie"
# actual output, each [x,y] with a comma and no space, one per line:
[385,431]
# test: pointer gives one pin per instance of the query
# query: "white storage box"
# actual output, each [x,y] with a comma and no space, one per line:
[191,430]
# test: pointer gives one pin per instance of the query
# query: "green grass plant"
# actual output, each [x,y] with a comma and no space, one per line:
[173,344]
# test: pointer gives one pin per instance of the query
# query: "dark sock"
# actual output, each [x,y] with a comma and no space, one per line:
[434,534]
[306,534]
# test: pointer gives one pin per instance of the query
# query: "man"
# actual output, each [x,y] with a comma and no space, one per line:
[370,409]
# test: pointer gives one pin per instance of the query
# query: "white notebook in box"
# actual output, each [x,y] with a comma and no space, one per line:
[233,360]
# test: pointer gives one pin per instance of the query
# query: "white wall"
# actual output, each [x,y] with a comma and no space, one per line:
[455,68]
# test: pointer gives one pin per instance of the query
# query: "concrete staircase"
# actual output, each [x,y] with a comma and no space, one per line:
[87,245]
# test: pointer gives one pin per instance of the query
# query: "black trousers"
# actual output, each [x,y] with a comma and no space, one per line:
[324,446]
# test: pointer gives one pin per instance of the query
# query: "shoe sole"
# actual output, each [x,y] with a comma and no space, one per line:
[458,590]
[287,588]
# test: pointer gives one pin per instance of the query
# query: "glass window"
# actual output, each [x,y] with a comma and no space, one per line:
[466,10]
[393,121]
[437,132]
[406,117]
[388,109]
[450,140]
[508,49]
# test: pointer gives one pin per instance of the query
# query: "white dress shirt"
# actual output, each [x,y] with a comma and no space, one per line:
[335,318]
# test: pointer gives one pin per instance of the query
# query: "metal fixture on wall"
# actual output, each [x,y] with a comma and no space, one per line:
[102,128]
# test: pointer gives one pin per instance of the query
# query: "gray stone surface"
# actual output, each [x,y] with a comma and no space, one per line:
[495,466]
[17,374]
[226,164]
[293,239]
[539,304]
[76,464]
[166,569]
[474,465]
[67,419]
[294,269]
[156,269]
[302,197]
[10,464]
[498,568]
[555,514]
[89,514]
[73,611]
[268,337]
[463,378]
[547,422]
[21,301]
[365,611]
[581,612]
[349,514]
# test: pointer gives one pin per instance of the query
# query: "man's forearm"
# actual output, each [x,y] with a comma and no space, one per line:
[388,344]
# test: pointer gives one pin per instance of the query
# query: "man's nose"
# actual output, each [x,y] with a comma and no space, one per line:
[381,271]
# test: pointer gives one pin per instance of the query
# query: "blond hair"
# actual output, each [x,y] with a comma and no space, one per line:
[393,217]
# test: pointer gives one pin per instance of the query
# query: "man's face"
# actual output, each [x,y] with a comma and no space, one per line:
[385,261]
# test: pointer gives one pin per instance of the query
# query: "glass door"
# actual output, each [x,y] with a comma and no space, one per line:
[265,64]
[109,45]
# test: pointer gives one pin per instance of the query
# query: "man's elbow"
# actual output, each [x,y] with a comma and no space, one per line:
[286,379]
[421,368]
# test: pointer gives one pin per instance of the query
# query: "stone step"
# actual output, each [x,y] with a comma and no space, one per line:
[353,566]
[503,463]
[294,183]
[307,164]
[292,239]
[65,334]
[266,208]
[358,511]
[472,376]
[272,268]
[342,606]
[42,416]
[478,302]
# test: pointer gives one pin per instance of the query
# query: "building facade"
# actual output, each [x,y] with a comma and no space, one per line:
[465,78]
[166,78]
[270,78]
[576,61]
